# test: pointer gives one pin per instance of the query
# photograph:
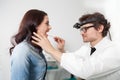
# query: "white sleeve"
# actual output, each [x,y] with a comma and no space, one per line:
[77,66]
[84,68]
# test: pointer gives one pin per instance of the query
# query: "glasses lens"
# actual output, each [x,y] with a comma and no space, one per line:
[84,29]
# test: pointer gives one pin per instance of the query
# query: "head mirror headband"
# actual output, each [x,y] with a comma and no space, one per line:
[89,20]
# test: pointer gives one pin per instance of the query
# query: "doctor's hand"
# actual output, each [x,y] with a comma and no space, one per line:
[43,42]
[60,43]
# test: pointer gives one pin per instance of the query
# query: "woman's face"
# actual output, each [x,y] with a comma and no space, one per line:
[44,27]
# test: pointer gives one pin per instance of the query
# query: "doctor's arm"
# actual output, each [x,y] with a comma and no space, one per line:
[42,41]
[76,65]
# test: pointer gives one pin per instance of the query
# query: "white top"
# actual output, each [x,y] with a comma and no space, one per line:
[104,62]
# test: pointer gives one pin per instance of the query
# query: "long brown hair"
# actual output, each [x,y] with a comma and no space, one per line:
[30,21]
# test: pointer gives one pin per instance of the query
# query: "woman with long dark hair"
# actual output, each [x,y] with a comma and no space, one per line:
[27,59]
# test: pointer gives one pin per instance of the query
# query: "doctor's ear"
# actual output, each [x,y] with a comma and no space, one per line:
[100,28]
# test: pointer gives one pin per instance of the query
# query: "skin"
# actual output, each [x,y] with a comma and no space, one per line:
[60,43]
[44,27]
[92,35]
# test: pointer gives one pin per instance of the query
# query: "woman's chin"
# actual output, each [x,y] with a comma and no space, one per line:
[46,35]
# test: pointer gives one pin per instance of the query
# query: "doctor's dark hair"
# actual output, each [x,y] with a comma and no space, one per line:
[97,19]
[31,20]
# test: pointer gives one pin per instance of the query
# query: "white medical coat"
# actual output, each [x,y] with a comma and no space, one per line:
[103,64]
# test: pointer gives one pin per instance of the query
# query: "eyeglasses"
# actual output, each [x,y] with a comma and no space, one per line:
[84,29]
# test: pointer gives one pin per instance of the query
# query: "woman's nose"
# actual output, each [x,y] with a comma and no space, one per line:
[50,27]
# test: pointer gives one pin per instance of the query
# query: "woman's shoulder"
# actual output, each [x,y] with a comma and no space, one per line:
[21,48]
[22,45]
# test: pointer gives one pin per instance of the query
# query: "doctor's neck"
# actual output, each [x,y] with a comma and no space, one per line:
[96,41]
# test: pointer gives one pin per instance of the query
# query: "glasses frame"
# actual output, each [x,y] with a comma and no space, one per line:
[84,29]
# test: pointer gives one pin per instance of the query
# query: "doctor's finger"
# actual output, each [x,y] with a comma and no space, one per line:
[36,35]
[36,38]
[34,42]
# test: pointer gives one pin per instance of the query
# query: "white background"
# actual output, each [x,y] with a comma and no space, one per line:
[62,16]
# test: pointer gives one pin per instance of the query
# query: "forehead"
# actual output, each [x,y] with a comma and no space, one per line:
[46,18]
[86,25]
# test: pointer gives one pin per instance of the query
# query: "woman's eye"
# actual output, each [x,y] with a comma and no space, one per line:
[47,23]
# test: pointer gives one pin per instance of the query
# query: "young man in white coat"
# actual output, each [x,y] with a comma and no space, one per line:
[98,59]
